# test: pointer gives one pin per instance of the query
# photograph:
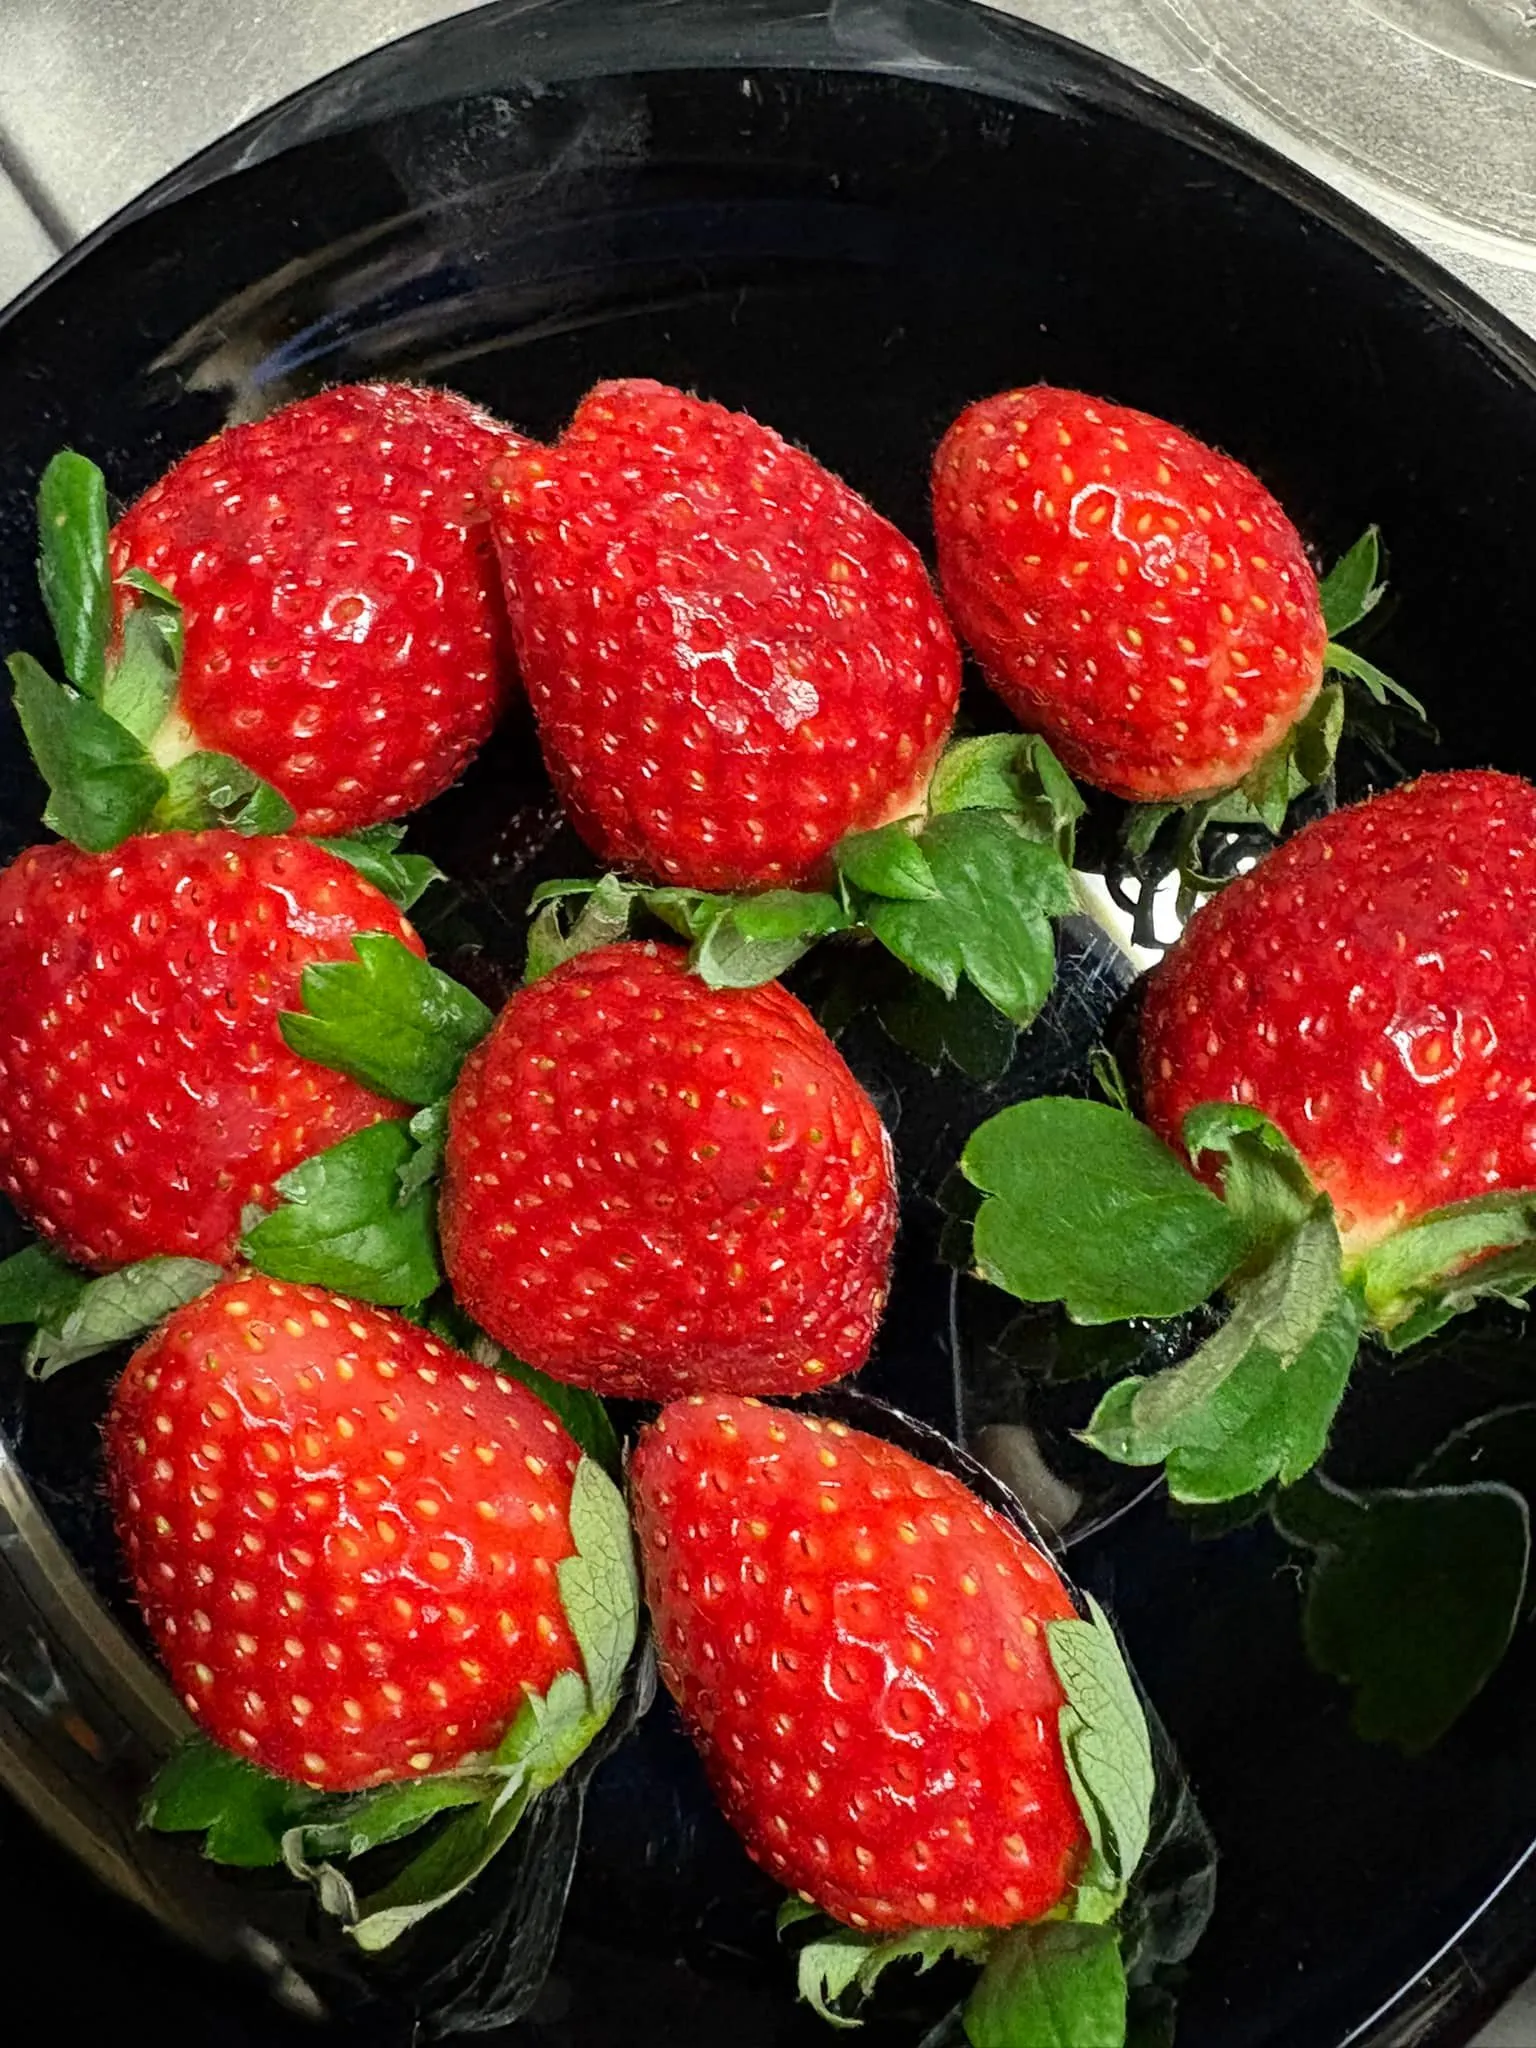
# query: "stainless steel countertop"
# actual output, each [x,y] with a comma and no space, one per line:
[99,98]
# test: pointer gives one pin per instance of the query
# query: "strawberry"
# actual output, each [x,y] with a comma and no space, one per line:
[342,1533]
[146,1094]
[654,1187]
[1371,987]
[345,635]
[734,661]
[1136,597]
[1343,1046]
[859,1648]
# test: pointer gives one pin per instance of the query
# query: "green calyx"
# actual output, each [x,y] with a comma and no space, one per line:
[75,1316]
[107,740]
[250,1818]
[1062,1981]
[964,899]
[1183,838]
[1083,1205]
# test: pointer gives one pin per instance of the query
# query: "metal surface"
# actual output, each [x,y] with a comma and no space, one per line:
[25,248]
[99,98]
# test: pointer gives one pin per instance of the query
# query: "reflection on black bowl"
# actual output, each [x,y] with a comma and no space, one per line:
[850,220]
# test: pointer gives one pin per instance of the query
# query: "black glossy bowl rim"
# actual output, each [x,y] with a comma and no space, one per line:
[837,35]
[981,50]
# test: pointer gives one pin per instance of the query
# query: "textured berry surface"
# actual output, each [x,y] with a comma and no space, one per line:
[146,1094]
[733,659]
[857,1645]
[345,631]
[1371,987]
[653,1187]
[1133,595]
[343,1534]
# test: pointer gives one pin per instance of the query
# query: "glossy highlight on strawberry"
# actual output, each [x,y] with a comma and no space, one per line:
[345,630]
[1133,595]
[146,1094]
[652,1187]
[858,1647]
[1371,987]
[733,659]
[343,1533]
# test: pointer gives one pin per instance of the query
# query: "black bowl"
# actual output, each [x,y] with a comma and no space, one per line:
[849,220]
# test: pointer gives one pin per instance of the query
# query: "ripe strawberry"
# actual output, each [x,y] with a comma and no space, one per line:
[1134,596]
[733,659]
[652,1187]
[345,632]
[342,1533]
[1371,987]
[856,1644]
[146,1094]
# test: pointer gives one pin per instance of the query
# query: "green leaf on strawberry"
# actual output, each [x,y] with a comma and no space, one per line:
[1016,773]
[205,790]
[1256,1401]
[72,569]
[1417,1280]
[349,1827]
[1108,1753]
[450,1863]
[116,762]
[374,850]
[141,683]
[350,1222]
[388,1019]
[963,1029]
[599,1586]
[1413,1596]
[966,898]
[758,938]
[243,1813]
[836,1970]
[889,863]
[991,918]
[1352,589]
[113,1310]
[429,1128]
[36,1286]
[102,782]
[1379,685]
[1060,1985]
[606,906]
[1086,1206]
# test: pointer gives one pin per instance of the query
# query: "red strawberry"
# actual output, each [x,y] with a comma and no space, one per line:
[733,659]
[1371,987]
[653,1187]
[1134,596]
[343,1534]
[345,633]
[146,1094]
[856,1644]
